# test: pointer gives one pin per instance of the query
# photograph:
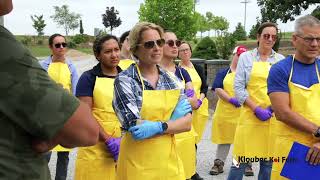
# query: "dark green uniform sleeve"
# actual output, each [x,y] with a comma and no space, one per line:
[29,98]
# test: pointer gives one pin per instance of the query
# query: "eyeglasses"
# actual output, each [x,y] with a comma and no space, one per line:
[267,37]
[171,43]
[151,44]
[60,45]
[309,39]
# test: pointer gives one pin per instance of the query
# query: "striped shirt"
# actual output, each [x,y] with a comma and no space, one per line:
[127,101]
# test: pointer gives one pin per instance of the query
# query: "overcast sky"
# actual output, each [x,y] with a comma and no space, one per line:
[19,21]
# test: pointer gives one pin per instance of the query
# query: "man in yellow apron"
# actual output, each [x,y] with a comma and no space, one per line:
[126,57]
[293,87]
[95,88]
[63,72]
[253,137]
[146,103]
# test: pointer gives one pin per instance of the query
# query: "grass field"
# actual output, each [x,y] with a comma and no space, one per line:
[39,51]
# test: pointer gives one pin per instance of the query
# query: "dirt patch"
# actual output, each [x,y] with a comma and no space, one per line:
[78,55]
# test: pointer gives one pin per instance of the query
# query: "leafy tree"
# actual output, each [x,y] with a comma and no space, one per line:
[210,21]
[81,27]
[202,24]
[254,29]
[38,24]
[239,34]
[283,9]
[316,12]
[225,45]
[176,15]
[63,17]
[110,19]
[220,24]
[206,49]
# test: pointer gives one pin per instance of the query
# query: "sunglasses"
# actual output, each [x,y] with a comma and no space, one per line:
[60,45]
[152,44]
[171,43]
[267,37]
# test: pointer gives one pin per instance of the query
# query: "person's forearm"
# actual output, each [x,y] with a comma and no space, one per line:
[222,94]
[202,96]
[250,103]
[103,136]
[180,125]
[295,120]
[194,102]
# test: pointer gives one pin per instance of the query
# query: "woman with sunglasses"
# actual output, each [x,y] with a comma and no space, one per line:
[199,81]
[63,72]
[185,141]
[95,88]
[151,109]
[253,137]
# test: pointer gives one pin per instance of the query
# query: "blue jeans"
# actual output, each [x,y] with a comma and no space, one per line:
[236,173]
[62,164]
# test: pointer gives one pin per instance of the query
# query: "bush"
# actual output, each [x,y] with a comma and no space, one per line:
[26,40]
[72,45]
[225,45]
[40,42]
[80,38]
[206,49]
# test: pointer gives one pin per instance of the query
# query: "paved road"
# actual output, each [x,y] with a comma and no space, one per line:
[206,150]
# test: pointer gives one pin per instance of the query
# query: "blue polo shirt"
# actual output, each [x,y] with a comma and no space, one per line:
[218,80]
[303,74]
[87,80]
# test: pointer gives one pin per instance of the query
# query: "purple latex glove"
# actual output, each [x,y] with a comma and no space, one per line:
[113,146]
[262,114]
[189,93]
[199,103]
[269,108]
[235,102]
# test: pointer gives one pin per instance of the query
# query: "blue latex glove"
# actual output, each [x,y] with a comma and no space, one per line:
[146,129]
[189,93]
[235,102]
[262,114]
[182,108]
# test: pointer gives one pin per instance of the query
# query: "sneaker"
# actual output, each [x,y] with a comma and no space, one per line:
[248,171]
[196,176]
[217,167]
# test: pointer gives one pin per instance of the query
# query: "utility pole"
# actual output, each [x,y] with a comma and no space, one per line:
[245,2]
[1,21]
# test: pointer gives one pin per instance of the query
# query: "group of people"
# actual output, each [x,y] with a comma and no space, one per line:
[139,115]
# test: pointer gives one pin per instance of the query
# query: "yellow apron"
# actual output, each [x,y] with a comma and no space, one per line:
[154,158]
[252,137]
[95,162]
[125,63]
[199,116]
[304,101]
[61,74]
[226,116]
[185,142]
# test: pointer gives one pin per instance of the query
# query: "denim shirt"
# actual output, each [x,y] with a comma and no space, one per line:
[74,75]
[244,68]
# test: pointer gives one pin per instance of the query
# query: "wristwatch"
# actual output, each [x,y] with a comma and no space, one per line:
[164,126]
[317,133]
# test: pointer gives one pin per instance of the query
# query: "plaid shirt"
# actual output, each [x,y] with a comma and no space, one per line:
[127,101]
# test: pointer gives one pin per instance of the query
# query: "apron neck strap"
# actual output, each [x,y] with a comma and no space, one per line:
[140,77]
[291,71]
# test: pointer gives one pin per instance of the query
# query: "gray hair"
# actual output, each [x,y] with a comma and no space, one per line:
[307,20]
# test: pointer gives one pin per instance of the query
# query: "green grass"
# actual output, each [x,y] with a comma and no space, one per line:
[39,51]
[85,50]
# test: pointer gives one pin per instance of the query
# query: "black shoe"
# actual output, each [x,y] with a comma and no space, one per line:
[196,176]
